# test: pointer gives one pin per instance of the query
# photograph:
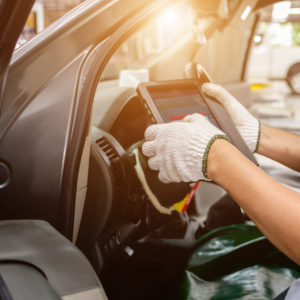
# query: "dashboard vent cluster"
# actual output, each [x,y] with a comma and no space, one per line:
[114,158]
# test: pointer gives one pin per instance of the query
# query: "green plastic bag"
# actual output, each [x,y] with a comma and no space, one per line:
[237,262]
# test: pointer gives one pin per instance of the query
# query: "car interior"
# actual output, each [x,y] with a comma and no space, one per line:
[134,234]
[142,237]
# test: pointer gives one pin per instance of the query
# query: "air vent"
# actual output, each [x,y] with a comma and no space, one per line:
[114,158]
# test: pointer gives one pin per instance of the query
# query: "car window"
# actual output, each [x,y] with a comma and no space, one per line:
[276,44]
[44,13]
[178,35]
[143,48]
[274,65]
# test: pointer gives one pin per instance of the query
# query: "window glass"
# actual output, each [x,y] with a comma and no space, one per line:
[276,44]
[43,13]
[143,49]
[274,65]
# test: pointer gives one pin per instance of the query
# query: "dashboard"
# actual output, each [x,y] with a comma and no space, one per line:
[117,209]
[130,125]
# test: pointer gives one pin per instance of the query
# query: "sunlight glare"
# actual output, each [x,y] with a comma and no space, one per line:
[246,12]
[169,16]
[281,11]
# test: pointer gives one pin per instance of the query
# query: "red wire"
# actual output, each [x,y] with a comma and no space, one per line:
[190,197]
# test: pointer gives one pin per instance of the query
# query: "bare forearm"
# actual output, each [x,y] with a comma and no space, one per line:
[280,145]
[274,208]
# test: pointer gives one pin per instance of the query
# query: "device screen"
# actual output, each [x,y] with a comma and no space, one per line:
[174,105]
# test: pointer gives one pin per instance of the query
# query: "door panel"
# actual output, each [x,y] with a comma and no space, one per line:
[34,148]
[44,121]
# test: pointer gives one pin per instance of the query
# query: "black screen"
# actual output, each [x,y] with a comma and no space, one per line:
[174,105]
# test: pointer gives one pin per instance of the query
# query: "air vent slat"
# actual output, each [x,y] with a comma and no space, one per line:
[106,147]
[114,159]
[110,152]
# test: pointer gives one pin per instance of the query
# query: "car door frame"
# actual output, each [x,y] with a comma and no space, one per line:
[22,88]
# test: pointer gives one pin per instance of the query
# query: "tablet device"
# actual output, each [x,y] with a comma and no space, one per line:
[171,101]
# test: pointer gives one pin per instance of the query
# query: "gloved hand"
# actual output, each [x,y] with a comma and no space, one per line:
[179,150]
[247,125]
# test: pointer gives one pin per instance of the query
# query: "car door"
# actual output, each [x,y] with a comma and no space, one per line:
[46,108]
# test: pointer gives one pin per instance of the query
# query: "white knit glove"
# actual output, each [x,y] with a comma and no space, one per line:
[179,150]
[247,125]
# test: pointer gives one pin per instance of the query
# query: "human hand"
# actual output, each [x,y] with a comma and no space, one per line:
[179,150]
[247,125]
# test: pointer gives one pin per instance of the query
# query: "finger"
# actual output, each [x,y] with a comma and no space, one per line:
[149,148]
[198,119]
[153,163]
[218,92]
[194,118]
[163,177]
[151,132]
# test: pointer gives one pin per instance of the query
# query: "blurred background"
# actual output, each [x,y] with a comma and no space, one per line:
[45,12]
[274,65]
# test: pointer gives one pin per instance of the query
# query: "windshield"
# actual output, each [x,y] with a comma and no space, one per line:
[179,34]
[143,48]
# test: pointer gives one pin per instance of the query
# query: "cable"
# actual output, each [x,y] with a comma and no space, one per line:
[148,191]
